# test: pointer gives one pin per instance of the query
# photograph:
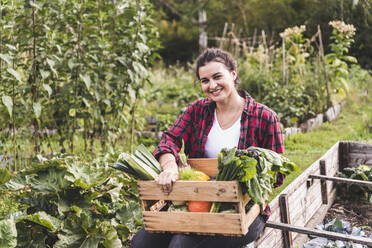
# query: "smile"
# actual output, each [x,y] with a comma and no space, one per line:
[215,92]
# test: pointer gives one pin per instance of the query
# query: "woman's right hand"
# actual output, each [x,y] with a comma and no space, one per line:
[169,175]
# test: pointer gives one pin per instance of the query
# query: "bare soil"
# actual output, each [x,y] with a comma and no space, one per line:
[359,214]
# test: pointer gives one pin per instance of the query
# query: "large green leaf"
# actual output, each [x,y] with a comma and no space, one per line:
[8,102]
[69,240]
[15,74]
[111,238]
[5,175]
[8,234]
[6,58]
[44,220]
[130,214]
[48,89]
[52,181]
[90,242]
[86,80]
[84,176]
[37,109]
[16,183]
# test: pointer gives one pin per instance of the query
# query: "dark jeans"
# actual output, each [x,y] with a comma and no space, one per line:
[144,239]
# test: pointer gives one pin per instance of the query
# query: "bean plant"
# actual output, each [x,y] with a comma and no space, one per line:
[72,73]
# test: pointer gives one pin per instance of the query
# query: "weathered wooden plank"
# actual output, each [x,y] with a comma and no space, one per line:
[355,159]
[285,218]
[360,148]
[313,203]
[222,191]
[312,123]
[299,194]
[343,151]
[320,233]
[337,109]
[304,202]
[249,217]
[323,183]
[317,218]
[343,180]
[205,223]
[206,165]
[330,114]
[331,155]
[274,238]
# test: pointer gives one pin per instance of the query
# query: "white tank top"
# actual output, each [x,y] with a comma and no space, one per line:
[219,138]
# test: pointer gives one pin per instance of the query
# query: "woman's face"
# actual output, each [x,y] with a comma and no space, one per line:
[217,81]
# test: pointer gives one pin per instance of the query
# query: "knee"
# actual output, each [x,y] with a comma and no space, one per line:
[178,241]
[139,240]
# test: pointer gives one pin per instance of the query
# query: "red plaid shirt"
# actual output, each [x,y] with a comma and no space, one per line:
[260,127]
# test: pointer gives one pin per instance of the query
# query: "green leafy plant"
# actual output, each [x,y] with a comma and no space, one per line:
[254,168]
[71,203]
[361,172]
[342,38]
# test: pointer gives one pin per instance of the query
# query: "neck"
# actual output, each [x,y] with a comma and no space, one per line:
[234,103]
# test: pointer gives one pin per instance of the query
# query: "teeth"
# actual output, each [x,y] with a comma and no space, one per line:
[215,91]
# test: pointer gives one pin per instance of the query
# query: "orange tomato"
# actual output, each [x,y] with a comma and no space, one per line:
[199,206]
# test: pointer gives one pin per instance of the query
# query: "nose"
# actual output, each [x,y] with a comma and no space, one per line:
[212,83]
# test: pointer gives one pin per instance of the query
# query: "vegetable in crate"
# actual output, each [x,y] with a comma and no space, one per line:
[141,164]
[191,174]
[254,168]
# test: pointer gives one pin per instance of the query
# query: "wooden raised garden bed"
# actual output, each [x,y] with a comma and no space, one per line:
[305,202]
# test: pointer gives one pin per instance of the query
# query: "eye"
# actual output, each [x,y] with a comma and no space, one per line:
[217,77]
[204,81]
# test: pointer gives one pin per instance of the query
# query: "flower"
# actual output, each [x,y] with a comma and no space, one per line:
[340,26]
[293,31]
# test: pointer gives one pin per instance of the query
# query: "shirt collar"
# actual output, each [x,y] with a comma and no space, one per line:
[211,105]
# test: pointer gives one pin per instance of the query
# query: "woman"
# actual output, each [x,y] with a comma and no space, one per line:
[225,118]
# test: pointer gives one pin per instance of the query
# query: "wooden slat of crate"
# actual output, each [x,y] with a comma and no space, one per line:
[201,223]
[193,222]
[221,191]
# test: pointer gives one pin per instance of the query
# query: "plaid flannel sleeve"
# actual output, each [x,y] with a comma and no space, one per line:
[171,141]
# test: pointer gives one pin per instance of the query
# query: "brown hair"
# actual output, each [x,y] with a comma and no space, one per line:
[217,55]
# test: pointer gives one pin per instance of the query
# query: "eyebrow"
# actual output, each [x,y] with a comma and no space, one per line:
[217,73]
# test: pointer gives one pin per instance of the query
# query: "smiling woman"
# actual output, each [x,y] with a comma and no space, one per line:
[225,118]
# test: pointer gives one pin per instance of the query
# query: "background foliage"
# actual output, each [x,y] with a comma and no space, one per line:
[72,73]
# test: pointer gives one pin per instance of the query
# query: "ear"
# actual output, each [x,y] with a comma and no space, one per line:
[234,74]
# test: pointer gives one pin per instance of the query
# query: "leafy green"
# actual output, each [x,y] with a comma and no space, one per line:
[254,168]
[361,172]
[8,234]
[43,219]
[69,203]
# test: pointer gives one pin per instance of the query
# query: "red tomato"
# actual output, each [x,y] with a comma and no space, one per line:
[199,206]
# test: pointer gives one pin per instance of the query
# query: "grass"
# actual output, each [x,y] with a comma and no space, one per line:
[351,125]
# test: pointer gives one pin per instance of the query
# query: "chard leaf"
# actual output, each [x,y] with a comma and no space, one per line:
[49,182]
[130,214]
[69,240]
[44,220]
[8,234]
[84,176]
[111,239]
[90,242]
[16,183]
[115,193]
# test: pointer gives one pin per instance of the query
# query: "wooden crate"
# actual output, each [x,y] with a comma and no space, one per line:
[193,222]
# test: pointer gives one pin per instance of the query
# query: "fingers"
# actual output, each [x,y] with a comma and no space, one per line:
[166,180]
[166,189]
